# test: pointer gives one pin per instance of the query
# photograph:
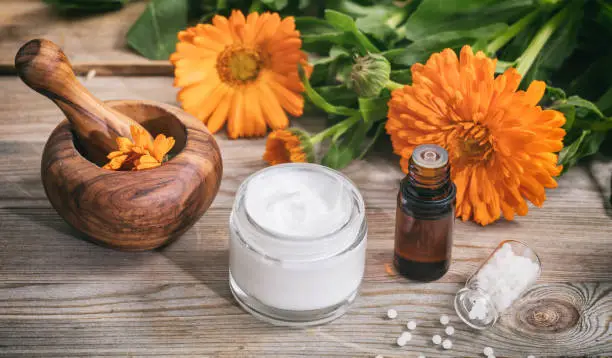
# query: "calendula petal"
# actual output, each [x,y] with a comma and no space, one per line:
[501,145]
[243,55]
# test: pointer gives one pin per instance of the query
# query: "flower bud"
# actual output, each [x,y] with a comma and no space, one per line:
[369,75]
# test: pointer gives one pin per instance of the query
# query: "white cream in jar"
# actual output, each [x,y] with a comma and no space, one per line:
[297,244]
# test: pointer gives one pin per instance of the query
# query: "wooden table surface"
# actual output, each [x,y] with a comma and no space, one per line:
[61,296]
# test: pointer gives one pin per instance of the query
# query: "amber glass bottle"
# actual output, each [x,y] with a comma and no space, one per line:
[425,216]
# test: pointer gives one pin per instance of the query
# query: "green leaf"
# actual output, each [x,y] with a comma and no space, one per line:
[340,154]
[340,21]
[557,49]
[421,50]
[337,156]
[338,95]
[275,5]
[605,101]
[569,112]
[320,102]
[318,34]
[555,93]
[587,144]
[379,131]
[593,79]
[402,76]
[380,22]
[154,34]
[434,16]
[75,6]
[583,103]
[346,23]
[373,109]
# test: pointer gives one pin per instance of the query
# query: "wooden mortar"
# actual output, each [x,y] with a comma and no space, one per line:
[135,210]
[127,210]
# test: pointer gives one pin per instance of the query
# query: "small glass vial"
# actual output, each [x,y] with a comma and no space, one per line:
[298,236]
[504,276]
[425,216]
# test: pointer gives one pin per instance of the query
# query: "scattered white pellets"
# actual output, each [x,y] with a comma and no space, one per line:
[530,356]
[391,313]
[450,330]
[411,325]
[401,340]
[447,344]
[379,356]
[487,351]
[421,356]
[407,335]
[444,319]
[436,339]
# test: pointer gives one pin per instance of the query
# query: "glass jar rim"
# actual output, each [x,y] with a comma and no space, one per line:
[357,204]
[289,249]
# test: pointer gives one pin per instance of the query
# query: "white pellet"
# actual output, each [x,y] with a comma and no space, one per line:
[436,339]
[407,336]
[379,356]
[391,313]
[421,356]
[444,319]
[401,341]
[487,351]
[450,330]
[447,344]
[411,325]
[530,356]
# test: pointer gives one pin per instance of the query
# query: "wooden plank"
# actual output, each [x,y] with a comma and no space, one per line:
[62,296]
[93,42]
[150,319]
[38,247]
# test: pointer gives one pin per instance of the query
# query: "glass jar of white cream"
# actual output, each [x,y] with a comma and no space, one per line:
[297,244]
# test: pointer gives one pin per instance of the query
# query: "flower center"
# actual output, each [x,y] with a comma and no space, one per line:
[238,65]
[474,143]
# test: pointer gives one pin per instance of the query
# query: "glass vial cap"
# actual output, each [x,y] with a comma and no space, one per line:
[430,156]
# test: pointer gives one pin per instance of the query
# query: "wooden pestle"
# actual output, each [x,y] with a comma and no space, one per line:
[44,67]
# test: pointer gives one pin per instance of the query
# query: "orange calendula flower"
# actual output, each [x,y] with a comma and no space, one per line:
[143,153]
[501,145]
[288,146]
[241,70]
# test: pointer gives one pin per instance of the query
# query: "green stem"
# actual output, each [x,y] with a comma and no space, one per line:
[501,40]
[221,4]
[525,61]
[320,102]
[340,126]
[392,85]
[365,43]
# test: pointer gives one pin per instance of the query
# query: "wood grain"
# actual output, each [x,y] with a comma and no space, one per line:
[95,39]
[44,67]
[138,210]
[60,296]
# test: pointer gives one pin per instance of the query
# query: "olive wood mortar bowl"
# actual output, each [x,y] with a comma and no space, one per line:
[135,210]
